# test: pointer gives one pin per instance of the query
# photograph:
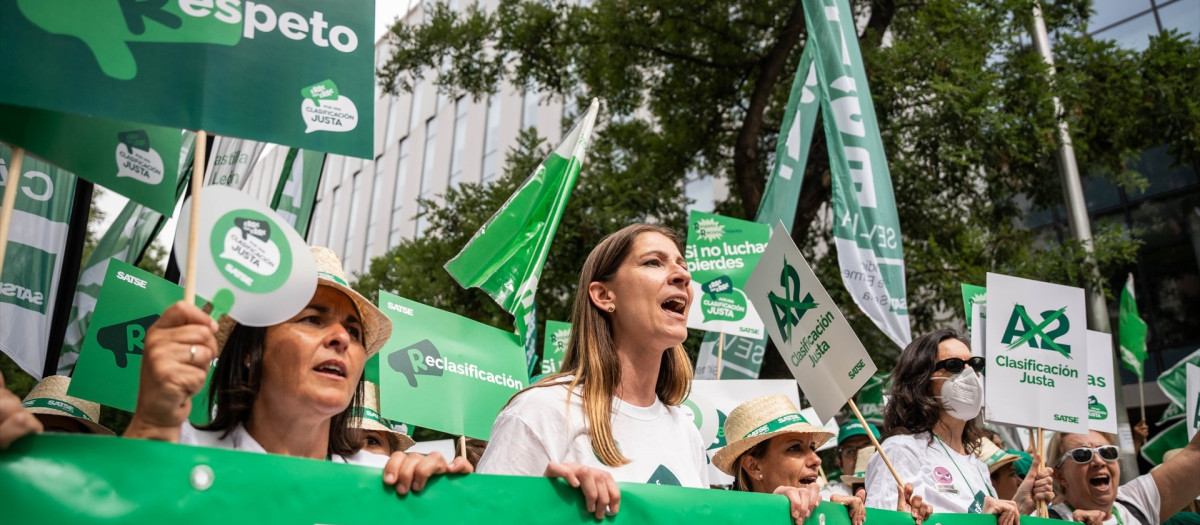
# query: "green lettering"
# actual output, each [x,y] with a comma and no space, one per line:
[134,333]
[417,359]
[1018,317]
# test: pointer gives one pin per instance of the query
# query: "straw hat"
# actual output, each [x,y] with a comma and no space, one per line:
[370,419]
[50,397]
[860,466]
[758,420]
[377,328]
[995,457]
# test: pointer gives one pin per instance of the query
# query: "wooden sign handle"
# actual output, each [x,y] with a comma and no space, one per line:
[10,199]
[189,276]
[875,442]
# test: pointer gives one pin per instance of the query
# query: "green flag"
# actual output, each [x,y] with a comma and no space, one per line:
[126,239]
[866,226]
[135,160]
[1131,331]
[742,356]
[505,256]
[231,161]
[294,72]
[33,262]
[1173,381]
[296,193]
[1172,437]
[558,334]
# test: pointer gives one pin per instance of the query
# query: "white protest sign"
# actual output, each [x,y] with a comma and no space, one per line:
[812,335]
[721,253]
[1102,386]
[711,401]
[1193,400]
[1036,349]
[249,260]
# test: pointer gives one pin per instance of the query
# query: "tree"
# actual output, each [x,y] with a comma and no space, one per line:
[962,99]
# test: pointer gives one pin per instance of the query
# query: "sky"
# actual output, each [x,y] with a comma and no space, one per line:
[111,203]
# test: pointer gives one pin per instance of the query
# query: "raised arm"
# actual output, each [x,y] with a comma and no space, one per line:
[1176,479]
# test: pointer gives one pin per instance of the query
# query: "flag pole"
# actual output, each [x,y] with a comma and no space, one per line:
[10,199]
[720,352]
[1142,395]
[462,446]
[189,279]
[875,442]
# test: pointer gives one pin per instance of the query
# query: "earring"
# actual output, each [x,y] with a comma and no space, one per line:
[612,308]
[760,476]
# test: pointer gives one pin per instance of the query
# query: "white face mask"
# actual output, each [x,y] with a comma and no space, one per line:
[962,394]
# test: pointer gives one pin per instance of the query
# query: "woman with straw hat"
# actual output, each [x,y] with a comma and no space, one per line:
[772,449]
[1002,468]
[378,434]
[933,414]
[612,412]
[60,412]
[284,389]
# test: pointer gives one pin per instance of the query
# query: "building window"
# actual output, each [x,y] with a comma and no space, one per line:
[490,141]
[529,105]
[398,194]
[376,189]
[414,116]
[460,136]
[333,216]
[426,188]
[352,212]
[393,117]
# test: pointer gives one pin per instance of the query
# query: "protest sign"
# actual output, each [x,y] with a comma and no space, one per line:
[131,299]
[138,161]
[558,334]
[1037,354]
[444,371]
[1193,399]
[721,252]
[741,358]
[253,265]
[294,72]
[972,295]
[1172,437]
[711,402]
[812,335]
[29,283]
[1102,385]
[1173,380]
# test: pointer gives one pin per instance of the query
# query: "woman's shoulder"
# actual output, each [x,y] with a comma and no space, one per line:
[918,441]
[545,394]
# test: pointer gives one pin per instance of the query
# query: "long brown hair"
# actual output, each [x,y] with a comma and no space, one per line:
[237,380]
[912,408]
[591,355]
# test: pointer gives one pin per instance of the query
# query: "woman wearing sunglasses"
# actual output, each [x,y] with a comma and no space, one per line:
[1087,472]
[933,417]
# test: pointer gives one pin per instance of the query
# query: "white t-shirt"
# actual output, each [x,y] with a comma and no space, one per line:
[839,488]
[1142,493]
[660,441]
[945,479]
[239,439]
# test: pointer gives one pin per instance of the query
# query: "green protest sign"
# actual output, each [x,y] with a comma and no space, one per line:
[444,371]
[972,295]
[107,371]
[721,252]
[1173,381]
[54,478]
[294,72]
[1036,349]
[813,337]
[136,160]
[1172,437]
[558,334]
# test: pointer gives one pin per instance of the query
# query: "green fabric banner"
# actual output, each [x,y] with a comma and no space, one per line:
[870,399]
[33,261]
[444,371]
[1172,437]
[138,161]
[1173,381]
[296,194]
[742,357]
[866,225]
[506,255]
[1131,331]
[294,72]
[110,362]
[64,478]
[558,335]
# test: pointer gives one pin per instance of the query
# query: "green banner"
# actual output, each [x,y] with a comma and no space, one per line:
[138,161]
[294,72]
[972,295]
[67,478]
[231,161]
[506,255]
[1172,437]
[558,335]
[110,362]
[33,259]
[866,226]
[296,194]
[1173,381]
[444,371]
[870,399]
[742,356]
[721,252]
[1131,331]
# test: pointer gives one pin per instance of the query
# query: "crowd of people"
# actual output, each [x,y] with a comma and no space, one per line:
[613,413]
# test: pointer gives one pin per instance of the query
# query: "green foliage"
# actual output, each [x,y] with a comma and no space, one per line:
[963,100]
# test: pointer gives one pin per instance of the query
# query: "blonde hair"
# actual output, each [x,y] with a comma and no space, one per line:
[591,355]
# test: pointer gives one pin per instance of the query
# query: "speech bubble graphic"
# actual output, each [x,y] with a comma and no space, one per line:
[254,228]
[251,251]
[324,90]
[338,115]
[726,307]
[720,285]
[143,165]
[256,255]
[107,28]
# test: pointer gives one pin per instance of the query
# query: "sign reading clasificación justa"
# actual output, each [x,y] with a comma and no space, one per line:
[721,252]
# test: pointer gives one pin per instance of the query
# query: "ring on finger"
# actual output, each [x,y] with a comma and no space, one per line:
[192,351]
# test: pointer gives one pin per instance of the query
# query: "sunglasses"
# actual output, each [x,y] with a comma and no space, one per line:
[1083,455]
[955,365]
